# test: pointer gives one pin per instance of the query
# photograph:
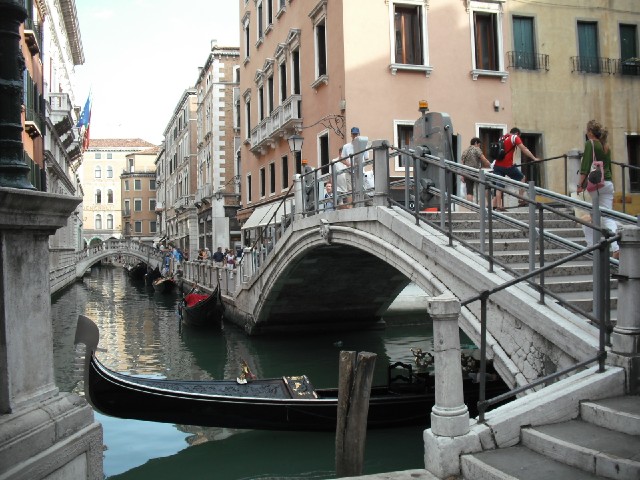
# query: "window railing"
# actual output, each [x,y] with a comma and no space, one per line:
[630,66]
[592,65]
[528,60]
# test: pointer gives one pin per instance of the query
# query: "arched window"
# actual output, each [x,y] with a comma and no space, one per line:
[110,222]
[98,196]
[98,222]
[98,171]
[109,171]
[109,196]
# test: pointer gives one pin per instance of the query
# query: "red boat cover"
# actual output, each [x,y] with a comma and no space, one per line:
[194,298]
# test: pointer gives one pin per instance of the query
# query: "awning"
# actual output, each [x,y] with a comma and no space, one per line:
[264,214]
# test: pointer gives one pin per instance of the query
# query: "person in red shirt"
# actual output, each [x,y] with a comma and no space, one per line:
[506,168]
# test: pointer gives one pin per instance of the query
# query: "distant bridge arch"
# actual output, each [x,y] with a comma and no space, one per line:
[109,248]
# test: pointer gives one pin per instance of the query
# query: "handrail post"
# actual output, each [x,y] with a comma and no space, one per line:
[485,204]
[597,258]
[380,172]
[532,222]
[442,185]
[483,357]
[625,338]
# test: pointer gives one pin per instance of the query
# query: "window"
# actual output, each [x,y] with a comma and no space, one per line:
[295,71]
[138,226]
[261,103]
[409,45]
[629,50]
[137,204]
[247,111]
[262,182]
[98,156]
[272,178]
[588,60]
[283,82]
[323,152]
[269,13]
[98,221]
[321,49]
[109,222]
[98,171]
[137,184]
[270,105]
[109,171]
[152,184]
[284,171]
[152,204]
[109,196]
[153,226]
[127,207]
[486,40]
[131,165]
[404,133]
[249,188]
[245,26]
[523,43]
[98,196]
[126,185]
[109,156]
[260,21]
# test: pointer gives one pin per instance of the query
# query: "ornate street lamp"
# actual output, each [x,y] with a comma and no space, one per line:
[295,143]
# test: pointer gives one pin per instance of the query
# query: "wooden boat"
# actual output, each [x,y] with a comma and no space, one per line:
[137,271]
[164,284]
[287,403]
[151,276]
[202,309]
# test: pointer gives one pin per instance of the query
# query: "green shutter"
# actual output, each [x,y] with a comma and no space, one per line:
[523,43]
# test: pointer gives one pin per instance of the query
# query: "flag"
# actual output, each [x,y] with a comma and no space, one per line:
[84,122]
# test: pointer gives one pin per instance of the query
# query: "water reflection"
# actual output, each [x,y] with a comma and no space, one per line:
[140,331]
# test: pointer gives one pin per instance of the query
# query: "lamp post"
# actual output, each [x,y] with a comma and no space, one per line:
[295,143]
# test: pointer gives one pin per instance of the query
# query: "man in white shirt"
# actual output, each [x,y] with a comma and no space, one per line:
[343,180]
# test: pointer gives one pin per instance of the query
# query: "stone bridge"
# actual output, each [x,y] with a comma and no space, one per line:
[342,269]
[113,248]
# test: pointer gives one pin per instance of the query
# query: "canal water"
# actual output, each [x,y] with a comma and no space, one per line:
[141,334]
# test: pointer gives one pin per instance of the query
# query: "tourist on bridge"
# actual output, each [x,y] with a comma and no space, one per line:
[342,167]
[473,157]
[328,195]
[596,147]
[218,257]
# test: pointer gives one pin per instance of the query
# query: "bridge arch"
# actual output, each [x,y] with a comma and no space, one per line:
[92,255]
[386,240]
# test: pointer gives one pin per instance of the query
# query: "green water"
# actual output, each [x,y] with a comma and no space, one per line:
[141,334]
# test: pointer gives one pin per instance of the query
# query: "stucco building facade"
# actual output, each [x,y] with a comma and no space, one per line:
[319,68]
[103,162]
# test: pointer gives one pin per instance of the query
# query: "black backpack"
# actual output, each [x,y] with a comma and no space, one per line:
[496,149]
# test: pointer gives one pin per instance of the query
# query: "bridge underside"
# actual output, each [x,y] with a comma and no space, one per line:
[331,287]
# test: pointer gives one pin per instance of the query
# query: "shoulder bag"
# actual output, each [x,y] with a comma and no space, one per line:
[595,179]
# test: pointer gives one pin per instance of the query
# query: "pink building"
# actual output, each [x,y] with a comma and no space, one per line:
[319,68]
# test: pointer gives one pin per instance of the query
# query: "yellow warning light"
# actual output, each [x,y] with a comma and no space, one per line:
[423,106]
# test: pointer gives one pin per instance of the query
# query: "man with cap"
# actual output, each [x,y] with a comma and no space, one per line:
[347,150]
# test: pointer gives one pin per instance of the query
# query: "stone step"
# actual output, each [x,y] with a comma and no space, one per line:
[508,233]
[518,463]
[574,283]
[474,223]
[594,449]
[618,413]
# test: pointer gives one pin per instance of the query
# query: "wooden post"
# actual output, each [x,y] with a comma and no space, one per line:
[354,390]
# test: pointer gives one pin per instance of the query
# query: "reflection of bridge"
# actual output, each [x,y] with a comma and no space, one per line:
[113,249]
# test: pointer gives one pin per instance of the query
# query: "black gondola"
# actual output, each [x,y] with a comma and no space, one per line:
[287,403]
[151,276]
[137,271]
[164,284]
[202,310]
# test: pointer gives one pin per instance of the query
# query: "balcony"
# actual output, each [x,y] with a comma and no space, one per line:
[630,66]
[592,65]
[204,191]
[283,119]
[34,123]
[32,36]
[528,61]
